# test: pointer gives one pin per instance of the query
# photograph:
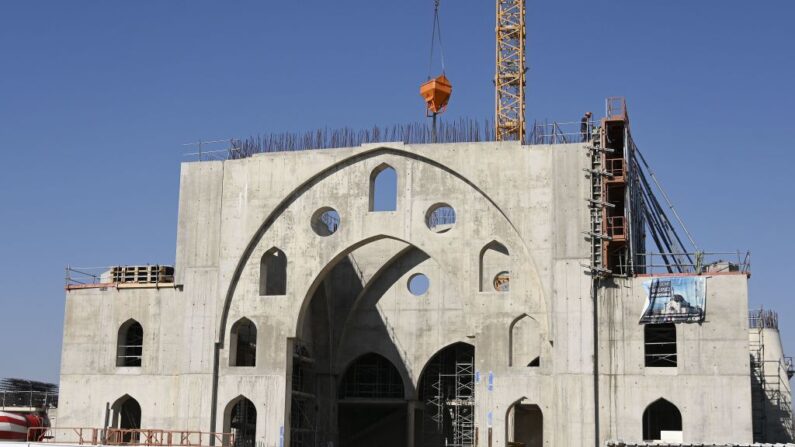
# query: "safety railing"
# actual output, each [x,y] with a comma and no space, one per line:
[28,399]
[91,277]
[132,437]
[691,263]
[762,319]
[561,132]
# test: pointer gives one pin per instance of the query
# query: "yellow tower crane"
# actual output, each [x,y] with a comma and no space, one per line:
[509,78]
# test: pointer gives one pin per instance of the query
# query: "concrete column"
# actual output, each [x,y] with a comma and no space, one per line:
[411,406]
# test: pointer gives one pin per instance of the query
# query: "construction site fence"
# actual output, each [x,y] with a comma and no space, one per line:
[131,437]
[690,263]
[28,399]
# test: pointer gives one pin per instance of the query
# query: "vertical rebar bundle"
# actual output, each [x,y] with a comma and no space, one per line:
[463,130]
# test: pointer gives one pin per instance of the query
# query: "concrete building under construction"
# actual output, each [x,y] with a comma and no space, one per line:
[493,294]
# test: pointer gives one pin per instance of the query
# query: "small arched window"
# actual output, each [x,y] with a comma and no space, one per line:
[243,343]
[129,344]
[383,188]
[495,268]
[273,273]
[662,421]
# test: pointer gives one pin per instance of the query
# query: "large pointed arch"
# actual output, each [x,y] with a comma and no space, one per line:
[365,154]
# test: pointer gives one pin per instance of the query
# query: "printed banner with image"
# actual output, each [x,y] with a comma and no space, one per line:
[678,299]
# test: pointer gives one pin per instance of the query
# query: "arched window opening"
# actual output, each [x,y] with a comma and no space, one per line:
[240,419]
[383,189]
[273,273]
[495,268]
[243,343]
[662,421]
[447,388]
[126,419]
[524,342]
[371,376]
[525,426]
[660,345]
[129,344]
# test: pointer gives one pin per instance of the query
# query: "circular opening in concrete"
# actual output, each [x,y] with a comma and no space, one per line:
[502,282]
[418,284]
[325,221]
[440,218]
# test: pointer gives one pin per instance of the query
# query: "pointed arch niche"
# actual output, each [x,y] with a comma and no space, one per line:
[495,268]
[524,342]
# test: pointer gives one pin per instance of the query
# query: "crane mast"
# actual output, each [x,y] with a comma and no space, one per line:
[509,79]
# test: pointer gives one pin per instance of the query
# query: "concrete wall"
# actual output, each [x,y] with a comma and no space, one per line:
[710,384]
[531,199]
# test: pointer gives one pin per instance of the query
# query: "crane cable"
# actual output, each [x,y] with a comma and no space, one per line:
[437,31]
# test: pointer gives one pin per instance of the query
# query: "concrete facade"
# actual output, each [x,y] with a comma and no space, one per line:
[346,296]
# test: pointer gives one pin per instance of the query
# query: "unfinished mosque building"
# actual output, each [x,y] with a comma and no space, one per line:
[495,294]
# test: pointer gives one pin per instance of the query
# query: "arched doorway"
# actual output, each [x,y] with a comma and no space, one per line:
[524,425]
[240,419]
[662,421]
[126,420]
[447,398]
[371,404]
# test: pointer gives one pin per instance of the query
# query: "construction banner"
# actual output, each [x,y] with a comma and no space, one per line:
[680,299]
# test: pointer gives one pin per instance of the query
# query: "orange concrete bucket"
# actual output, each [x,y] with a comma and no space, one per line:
[436,93]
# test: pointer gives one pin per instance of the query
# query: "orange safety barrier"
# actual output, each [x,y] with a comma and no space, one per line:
[129,437]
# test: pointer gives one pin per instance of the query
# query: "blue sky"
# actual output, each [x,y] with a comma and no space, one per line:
[96,99]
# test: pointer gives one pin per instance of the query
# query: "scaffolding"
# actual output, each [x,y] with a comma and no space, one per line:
[303,406]
[770,393]
[451,407]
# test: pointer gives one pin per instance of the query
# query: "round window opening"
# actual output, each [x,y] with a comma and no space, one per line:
[418,284]
[502,282]
[440,218]
[325,221]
